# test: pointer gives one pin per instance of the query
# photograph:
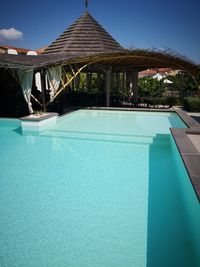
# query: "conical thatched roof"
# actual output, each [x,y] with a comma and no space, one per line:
[85,36]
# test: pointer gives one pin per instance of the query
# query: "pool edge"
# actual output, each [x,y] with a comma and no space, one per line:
[189,153]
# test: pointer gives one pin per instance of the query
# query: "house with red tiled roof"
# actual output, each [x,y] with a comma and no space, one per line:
[41,50]
[4,49]
[152,72]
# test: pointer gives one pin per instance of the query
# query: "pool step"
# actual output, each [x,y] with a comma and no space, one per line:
[103,137]
[161,139]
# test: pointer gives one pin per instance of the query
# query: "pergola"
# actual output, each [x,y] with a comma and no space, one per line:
[87,47]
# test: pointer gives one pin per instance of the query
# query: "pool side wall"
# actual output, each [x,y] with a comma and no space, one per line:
[190,205]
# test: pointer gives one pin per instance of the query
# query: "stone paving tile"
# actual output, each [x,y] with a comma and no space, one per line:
[195,140]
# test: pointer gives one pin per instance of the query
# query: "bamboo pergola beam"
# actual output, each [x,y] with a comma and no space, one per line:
[36,100]
[75,73]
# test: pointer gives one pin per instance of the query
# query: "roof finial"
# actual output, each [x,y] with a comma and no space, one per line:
[86,4]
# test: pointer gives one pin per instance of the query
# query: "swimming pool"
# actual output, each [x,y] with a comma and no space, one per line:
[98,188]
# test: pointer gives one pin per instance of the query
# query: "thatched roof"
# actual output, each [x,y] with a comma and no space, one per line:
[25,62]
[137,59]
[86,42]
[85,36]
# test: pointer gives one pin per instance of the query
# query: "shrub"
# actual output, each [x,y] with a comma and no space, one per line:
[171,101]
[191,103]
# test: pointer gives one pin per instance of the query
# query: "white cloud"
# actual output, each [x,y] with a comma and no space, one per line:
[10,34]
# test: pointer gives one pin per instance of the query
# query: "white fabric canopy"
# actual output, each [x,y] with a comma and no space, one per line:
[54,78]
[26,80]
[167,81]
[38,81]
[158,76]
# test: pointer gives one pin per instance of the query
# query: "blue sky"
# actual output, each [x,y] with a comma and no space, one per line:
[159,24]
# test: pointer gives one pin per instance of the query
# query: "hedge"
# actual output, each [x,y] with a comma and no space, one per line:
[164,101]
[191,103]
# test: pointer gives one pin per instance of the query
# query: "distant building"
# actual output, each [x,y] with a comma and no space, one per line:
[4,49]
[162,71]
[41,50]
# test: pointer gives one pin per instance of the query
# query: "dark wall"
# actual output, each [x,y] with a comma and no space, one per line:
[12,103]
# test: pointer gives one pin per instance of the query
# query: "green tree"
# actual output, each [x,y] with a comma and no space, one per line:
[150,87]
[185,84]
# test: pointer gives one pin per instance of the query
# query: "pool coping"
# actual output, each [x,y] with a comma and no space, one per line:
[187,150]
[131,109]
[37,122]
[39,118]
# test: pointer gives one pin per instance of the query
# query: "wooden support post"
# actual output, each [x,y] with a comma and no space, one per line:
[123,87]
[108,84]
[77,81]
[123,81]
[128,79]
[99,82]
[135,87]
[43,85]
[72,85]
[88,81]
[112,81]
[118,81]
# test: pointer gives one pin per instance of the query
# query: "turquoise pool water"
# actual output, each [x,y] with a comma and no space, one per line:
[98,188]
